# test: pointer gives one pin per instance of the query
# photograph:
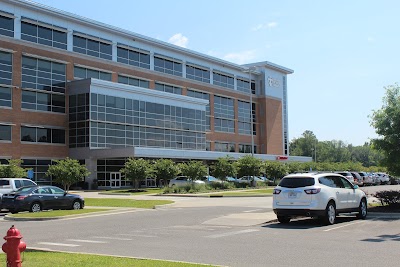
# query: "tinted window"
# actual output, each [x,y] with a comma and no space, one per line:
[330,181]
[18,183]
[28,183]
[295,182]
[4,182]
[346,183]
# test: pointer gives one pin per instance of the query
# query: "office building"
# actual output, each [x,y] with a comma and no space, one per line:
[71,86]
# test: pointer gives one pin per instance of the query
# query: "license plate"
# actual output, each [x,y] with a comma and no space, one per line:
[292,194]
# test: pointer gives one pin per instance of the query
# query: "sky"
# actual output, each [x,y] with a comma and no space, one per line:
[343,53]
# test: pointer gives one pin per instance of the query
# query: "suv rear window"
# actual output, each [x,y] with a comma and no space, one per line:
[4,182]
[295,182]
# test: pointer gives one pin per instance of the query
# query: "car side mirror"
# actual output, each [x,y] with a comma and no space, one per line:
[355,186]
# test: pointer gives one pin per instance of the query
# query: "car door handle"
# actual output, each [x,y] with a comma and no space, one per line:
[55,197]
[40,196]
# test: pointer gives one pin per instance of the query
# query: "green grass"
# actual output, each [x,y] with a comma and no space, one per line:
[125,203]
[146,191]
[251,192]
[33,258]
[54,213]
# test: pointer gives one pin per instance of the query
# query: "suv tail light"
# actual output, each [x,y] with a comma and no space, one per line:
[277,191]
[312,191]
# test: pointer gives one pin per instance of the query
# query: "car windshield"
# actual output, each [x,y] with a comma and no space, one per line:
[294,182]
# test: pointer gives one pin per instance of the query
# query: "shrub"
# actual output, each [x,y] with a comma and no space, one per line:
[388,197]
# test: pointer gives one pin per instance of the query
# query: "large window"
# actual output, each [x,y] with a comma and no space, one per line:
[6,24]
[197,73]
[5,68]
[5,132]
[43,101]
[205,96]
[134,57]
[223,80]
[224,114]
[168,88]
[42,33]
[133,81]
[122,122]
[244,117]
[42,135]
[84,73]
[95,47]
[46,83]
[39,167]
[42,74]
[5,97]
[167,66]
[224,147]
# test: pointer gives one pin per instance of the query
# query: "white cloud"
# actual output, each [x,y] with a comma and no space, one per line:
[268,25]
[240,58]
[179,40]
[370,39]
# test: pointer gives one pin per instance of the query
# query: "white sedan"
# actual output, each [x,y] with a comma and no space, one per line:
[182,181]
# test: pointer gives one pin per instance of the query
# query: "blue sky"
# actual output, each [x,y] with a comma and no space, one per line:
[343,53]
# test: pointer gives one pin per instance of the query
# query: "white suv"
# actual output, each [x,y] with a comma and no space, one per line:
[322,195]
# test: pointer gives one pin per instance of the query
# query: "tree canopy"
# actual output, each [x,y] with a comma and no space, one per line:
[12,169]
[137,170]
[67,172]
[386,122]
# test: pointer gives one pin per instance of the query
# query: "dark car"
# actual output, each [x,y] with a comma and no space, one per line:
[37,198]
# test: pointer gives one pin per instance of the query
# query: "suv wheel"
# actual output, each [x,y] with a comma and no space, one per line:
[330,214]
[362,209]
[283,219]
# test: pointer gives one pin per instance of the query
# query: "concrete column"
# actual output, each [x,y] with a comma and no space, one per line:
[151,61]
[70,40]
[114,52]
[17,27]
[91,165]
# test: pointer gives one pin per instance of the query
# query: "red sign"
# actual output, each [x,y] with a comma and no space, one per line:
[282,157]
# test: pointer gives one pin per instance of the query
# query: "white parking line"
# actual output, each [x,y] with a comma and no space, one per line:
[138,235]
[233,233]
[87,241]
[252,210]
[113,238]
[58,244]
[345,225]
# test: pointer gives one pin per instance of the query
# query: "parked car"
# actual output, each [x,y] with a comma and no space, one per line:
[36,198]
[383,178]
[358,180]
[367,179]
[8,185]
[375,179]
[211,179]
[347,175]
[322,195]
[183,180]
[231,179]
[249,179]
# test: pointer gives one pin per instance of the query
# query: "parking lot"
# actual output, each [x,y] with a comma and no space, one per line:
[220,231]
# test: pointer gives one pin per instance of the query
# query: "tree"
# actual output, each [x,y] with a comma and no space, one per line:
[165,169]
[305,145]
[386,122]
[67,172]
[248,165]
[193,169]
[275,169]
[137,170]
[12,169]
[224,167]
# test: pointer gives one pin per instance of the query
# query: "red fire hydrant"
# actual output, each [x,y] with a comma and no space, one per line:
[13,247]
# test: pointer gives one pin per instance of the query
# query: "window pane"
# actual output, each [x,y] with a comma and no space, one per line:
[5,133]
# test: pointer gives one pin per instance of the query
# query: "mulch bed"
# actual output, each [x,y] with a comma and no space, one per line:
[384,209]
